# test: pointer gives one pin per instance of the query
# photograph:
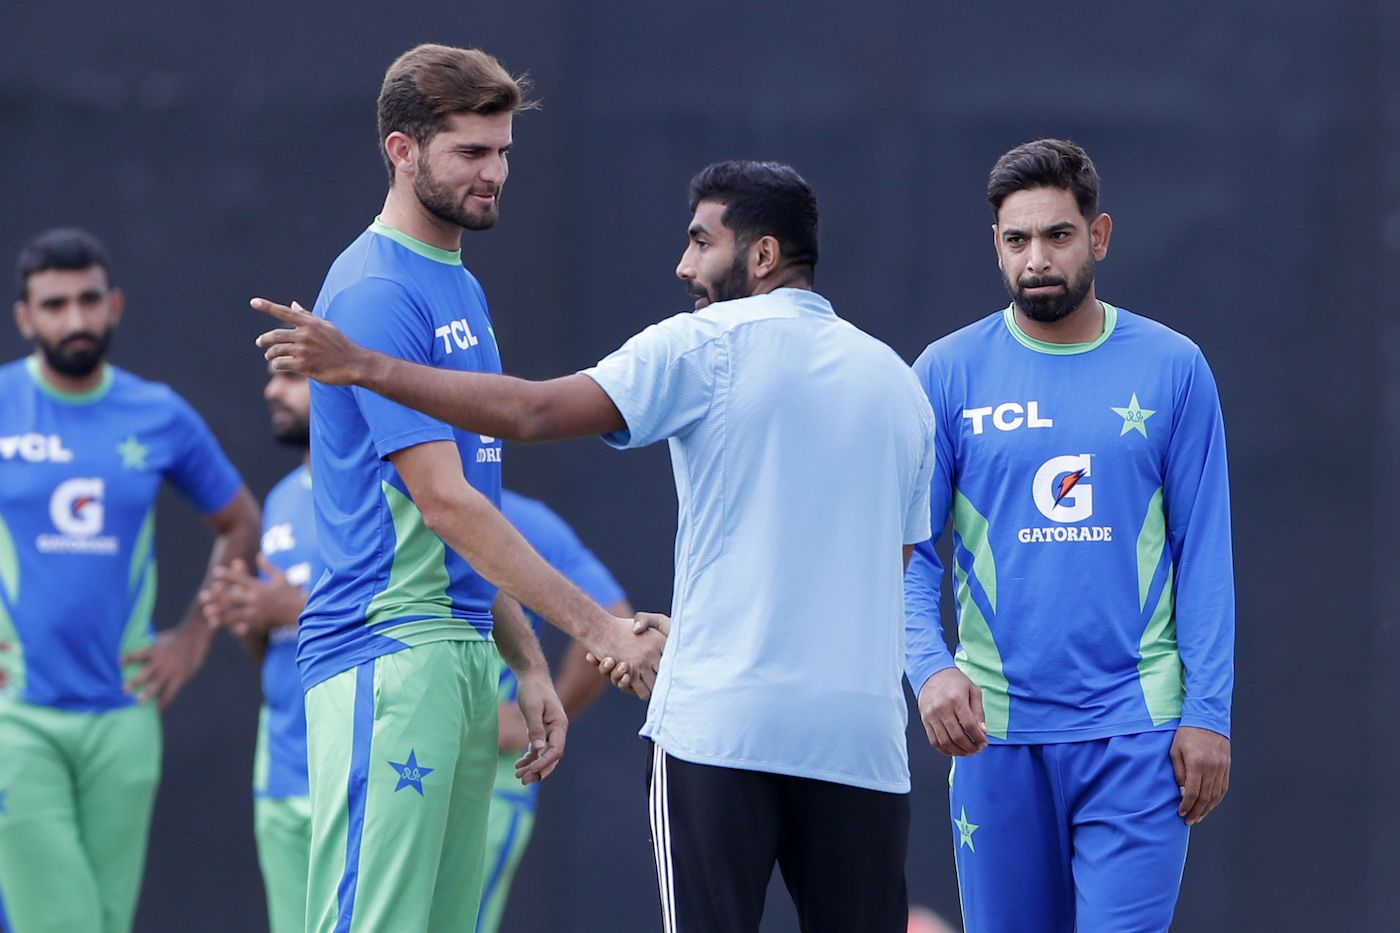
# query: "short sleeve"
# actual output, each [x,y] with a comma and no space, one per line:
[200,469]
[662,380]
[380,314]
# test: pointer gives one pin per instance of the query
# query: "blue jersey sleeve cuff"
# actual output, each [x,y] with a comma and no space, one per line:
[920,670]
[1203,721]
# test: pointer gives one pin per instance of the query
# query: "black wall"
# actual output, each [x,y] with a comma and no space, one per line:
[1251,160]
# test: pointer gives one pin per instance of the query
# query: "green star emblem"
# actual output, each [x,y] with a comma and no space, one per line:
[133,453]
[965,831]
[1134,417]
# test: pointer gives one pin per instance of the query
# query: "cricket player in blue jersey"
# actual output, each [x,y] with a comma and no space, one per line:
[578,683]
[1081,457]
[263,611]
[395,646]
[802,450]
[84,448]
[265,608]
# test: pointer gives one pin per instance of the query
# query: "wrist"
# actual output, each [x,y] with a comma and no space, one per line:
[367,369]
[534,671]
[197,631]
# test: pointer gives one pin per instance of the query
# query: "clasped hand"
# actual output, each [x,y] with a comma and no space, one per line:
[632,655]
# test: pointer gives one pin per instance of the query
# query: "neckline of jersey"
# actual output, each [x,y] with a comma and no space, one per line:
[86,397]
[427,251]
[1110,321]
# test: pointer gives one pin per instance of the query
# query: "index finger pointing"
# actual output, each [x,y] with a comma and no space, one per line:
[283,313]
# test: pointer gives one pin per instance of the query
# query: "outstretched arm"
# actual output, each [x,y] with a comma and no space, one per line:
[468,523]
[483,403]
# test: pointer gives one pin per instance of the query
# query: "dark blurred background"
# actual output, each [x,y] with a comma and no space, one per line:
[1250,154]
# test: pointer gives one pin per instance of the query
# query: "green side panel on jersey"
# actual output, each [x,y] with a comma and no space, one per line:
[141,550]
[973,528]
[141,579]
[1151,542]
[1160,670]
[11,659]
[261,756]
[137,633]
[418,578]
[979,658]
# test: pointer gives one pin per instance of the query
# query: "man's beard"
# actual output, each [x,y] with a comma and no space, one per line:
[437,200]
[733,284]
[293,430]
[75,361]
[1047,309]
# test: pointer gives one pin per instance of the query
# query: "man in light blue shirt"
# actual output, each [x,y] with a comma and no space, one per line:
[802,451]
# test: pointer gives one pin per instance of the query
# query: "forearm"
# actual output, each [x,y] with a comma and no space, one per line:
[516,641]
[926,652]
[482,403]
[578,682]
[494,405]
[487,541]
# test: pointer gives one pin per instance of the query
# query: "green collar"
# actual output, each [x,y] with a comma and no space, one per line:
[86,397]
[453,258]
[1110,320]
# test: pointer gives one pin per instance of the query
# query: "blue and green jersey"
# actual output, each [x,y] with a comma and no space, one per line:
[389,581]
[79,474]
[1090,509]
[289,544]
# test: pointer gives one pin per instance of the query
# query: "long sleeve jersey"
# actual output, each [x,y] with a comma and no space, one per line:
[1089,498]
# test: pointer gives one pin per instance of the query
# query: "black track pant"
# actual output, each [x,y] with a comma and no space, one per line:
[717,833]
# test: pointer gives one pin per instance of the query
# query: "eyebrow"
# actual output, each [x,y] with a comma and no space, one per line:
[1052,228]
[698,230]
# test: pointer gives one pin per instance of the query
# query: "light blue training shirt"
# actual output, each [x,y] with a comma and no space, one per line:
[803,450]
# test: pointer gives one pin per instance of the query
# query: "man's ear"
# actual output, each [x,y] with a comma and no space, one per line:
[402,151]
[116,304]
[1100,230]
[765,256]
[26,329]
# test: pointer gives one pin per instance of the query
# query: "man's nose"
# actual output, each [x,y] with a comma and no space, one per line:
[495,171]
[1037,258]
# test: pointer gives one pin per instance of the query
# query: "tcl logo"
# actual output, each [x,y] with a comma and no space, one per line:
[457,332]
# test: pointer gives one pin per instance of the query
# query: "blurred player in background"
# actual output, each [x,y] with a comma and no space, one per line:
[578,683]
[263,611]
[84,448]
[395,644]
[1081,456]
[802,451]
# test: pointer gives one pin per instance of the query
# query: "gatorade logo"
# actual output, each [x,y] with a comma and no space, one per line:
[76,510]
[1061,488]
[1062,492]
[76,506]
